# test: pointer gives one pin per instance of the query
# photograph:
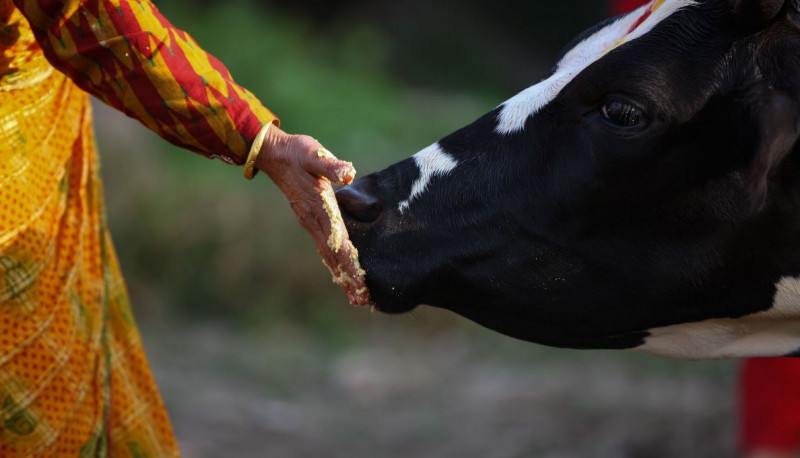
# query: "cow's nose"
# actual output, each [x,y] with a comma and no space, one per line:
[359,201]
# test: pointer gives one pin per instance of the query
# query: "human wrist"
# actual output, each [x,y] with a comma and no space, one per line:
[275,141]
[263,146]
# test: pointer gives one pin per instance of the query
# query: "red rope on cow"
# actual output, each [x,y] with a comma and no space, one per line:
[624,6]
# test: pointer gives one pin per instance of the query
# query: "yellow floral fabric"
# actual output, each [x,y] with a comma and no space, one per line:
[74,380]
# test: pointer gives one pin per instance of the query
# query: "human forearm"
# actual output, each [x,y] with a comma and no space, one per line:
[127,54]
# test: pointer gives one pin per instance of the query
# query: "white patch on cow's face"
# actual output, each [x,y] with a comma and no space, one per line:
[431,161]
[516,111]
[775,332]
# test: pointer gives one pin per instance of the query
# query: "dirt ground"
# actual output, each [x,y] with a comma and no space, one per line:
[460,393]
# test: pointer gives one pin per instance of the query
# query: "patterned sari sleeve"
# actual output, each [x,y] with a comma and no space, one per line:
[128,55]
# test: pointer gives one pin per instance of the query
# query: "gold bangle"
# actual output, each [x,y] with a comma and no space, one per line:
[250,169]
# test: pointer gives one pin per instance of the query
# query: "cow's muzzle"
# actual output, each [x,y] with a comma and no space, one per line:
[364,210]
[359,201]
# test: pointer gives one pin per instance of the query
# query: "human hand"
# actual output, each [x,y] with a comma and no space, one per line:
[305,171]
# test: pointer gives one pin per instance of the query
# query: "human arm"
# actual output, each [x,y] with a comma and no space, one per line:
[128,55]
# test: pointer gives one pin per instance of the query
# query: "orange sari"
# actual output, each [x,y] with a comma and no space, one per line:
[74,380]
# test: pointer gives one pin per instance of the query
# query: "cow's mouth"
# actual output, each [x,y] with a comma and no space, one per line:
[387,301]
[386,280]
[387,276]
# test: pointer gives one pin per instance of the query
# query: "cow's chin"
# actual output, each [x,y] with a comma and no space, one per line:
[388,295]
[392,305]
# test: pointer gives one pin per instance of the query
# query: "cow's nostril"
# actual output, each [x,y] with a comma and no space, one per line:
[359,202]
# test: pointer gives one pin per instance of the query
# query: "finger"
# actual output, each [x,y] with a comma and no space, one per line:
[351,274]
[321,162]
[319,216]
[332,216]
[355,286]
[344,272]
[345,266]
[316,209]
[317,227]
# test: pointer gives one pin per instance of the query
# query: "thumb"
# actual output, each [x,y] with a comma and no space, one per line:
[324,164]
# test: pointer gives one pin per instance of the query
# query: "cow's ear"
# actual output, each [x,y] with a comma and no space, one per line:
[754,14]
[775,117]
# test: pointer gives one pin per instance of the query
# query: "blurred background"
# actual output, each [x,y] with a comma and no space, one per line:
[257,353]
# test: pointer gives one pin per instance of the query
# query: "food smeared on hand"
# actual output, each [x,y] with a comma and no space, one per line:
[336,238]
[349,275]
[351,280]
[344,175]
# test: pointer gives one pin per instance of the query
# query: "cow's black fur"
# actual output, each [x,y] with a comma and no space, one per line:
[579,233]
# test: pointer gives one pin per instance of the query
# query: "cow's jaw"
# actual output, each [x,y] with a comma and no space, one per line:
[774,332]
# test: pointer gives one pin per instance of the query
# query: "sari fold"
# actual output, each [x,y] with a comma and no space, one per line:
[74,379]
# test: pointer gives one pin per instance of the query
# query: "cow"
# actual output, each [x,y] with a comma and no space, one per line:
[644,195]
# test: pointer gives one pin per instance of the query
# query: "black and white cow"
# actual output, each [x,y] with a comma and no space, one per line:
[645,195]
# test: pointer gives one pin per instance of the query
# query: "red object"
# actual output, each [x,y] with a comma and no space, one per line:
[625,6]
[770,404]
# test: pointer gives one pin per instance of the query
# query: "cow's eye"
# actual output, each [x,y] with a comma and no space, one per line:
[622,114]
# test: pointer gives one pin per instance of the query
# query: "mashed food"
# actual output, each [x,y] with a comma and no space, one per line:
[354,287]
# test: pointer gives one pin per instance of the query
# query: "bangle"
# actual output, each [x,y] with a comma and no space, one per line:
[250,169]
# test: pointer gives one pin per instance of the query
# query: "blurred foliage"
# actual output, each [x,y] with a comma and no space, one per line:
[456,44]
[197,240]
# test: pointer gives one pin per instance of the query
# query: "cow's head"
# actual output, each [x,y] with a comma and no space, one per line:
[644,195]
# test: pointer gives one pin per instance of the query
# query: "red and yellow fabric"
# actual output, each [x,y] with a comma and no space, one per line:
[74,380]
[127,54]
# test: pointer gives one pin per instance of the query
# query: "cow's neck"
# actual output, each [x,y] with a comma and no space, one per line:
[775,331]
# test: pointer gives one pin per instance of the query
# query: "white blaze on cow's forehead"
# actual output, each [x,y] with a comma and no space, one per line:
[431,161]
[516,111]
[775,332]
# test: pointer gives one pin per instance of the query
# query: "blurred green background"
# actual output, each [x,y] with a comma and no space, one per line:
[259,354]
